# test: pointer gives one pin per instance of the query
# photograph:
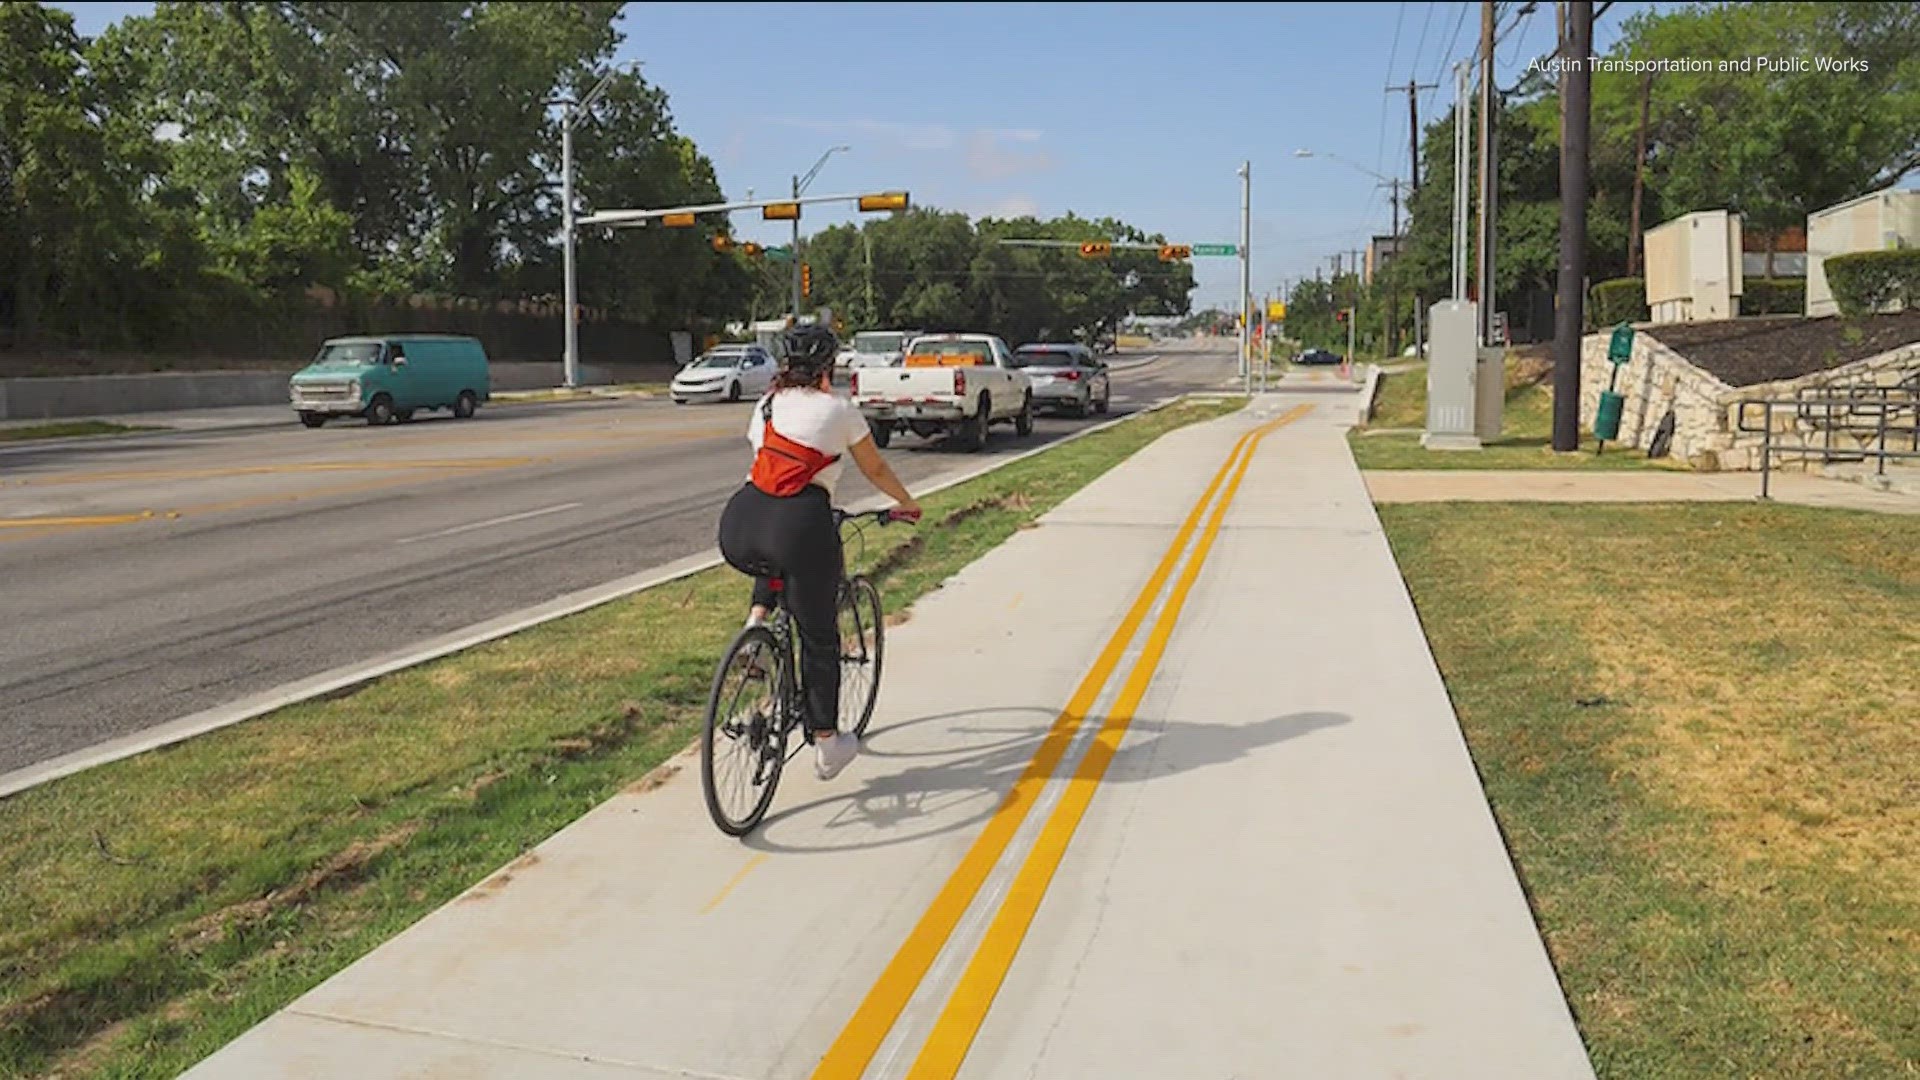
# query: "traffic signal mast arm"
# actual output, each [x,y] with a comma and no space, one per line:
[888,200]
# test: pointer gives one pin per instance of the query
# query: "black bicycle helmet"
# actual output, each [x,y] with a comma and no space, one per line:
[810,349]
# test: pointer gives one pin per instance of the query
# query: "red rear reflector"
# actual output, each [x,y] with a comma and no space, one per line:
[1071,376]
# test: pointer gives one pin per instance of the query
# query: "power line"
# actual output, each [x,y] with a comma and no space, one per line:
[1393,55]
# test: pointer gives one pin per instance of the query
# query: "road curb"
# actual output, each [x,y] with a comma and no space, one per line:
[349,676]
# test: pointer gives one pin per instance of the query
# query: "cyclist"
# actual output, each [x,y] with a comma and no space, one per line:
[781,522]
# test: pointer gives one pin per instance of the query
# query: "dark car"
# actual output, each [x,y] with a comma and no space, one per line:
[1317,356]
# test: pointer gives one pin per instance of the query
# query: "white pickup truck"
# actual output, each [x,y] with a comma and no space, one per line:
[951,384]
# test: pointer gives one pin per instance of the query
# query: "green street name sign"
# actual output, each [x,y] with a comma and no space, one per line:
[1216,249]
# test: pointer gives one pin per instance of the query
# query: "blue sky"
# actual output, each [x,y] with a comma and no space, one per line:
[1140,111]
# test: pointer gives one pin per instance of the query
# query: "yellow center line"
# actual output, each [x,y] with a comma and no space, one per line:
[729,886]
[72,522]
[853,1050]
[966,1009]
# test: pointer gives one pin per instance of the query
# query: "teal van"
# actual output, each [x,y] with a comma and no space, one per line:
[389,378]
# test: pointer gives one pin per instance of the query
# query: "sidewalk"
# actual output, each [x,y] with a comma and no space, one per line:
[1285,864]
[1521,485]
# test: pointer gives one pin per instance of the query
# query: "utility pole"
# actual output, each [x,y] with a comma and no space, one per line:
[1487,185]
[873,317]
[1246,286]
[1393,292]
[1639,175]
[1412,90]
[1576,85]
[1460,188]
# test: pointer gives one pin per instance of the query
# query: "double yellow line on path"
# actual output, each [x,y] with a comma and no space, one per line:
[966,1008]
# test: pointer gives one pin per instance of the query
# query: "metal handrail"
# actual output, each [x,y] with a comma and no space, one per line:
[1860,409]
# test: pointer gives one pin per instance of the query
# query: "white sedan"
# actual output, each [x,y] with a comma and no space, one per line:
[726,373]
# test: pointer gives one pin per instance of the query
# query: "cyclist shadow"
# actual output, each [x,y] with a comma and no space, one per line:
[960,787]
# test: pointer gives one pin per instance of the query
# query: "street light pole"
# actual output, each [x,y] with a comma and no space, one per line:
[1246,237]
[570,359]
[799,188]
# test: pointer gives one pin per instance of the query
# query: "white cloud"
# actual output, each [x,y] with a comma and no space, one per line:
[1012,206]
[989,159]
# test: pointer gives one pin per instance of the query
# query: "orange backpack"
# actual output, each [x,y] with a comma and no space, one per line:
[784,468]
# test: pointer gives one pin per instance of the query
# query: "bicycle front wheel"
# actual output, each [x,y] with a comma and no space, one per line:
[744,744]
[862,644]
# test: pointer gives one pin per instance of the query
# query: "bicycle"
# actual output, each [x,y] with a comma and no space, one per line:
[756,720]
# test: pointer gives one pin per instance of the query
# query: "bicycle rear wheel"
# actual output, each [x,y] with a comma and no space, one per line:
[743,746]
[862,645]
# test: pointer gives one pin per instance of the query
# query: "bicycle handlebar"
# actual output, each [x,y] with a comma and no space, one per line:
[878,517]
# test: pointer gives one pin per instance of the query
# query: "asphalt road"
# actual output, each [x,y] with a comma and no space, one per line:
[149,577]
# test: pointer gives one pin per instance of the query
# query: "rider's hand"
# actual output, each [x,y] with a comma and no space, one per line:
[907,511]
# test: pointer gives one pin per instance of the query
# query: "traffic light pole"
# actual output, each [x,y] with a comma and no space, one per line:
[1246,285]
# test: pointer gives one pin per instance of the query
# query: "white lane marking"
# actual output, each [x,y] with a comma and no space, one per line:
[457,529]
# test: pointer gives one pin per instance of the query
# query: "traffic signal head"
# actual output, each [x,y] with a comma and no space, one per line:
[677,221]
[1174,252]
[751,250]
[787,211]
[722,242]
[1095,250]
[806,280]
[886,200]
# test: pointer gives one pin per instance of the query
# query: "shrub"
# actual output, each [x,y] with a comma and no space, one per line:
[1774,296]
[1865,281]
[1618,300]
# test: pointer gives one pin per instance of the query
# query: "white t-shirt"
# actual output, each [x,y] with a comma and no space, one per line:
[826,422]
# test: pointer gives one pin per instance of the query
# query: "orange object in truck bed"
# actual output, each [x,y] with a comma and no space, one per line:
[957,354]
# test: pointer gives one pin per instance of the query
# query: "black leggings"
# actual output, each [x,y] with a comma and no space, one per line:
[794,539]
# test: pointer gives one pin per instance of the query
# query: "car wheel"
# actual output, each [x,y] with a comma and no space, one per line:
[882,434]
[465,405]
[380,412]
[1023,424]
[733,391]
[313,419]
[1106,403]
[979,426]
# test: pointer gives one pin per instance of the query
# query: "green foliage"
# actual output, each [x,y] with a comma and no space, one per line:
[1618,300]
[935,270]
[1866,281]
[1773,296]
[208,159]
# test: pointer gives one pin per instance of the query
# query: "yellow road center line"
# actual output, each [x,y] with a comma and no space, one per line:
[72,522]
[853,1050]
[729,886]
[966,1009]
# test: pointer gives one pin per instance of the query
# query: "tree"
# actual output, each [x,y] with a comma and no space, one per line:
[1772,145]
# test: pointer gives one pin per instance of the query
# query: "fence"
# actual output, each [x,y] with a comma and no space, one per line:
[1864,417]
[511,331]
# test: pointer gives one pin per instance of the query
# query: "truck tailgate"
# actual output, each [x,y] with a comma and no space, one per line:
[907,384]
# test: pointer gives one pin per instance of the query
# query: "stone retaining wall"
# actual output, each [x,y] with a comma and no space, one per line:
[1706,431]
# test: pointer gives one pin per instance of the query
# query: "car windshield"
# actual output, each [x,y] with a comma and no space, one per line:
[878,343]
[718,360]
[1041,356]
[345,353]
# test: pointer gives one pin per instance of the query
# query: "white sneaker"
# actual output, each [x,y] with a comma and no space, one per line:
[832,755]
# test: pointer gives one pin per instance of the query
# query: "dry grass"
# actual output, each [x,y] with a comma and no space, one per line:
[1704,767]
